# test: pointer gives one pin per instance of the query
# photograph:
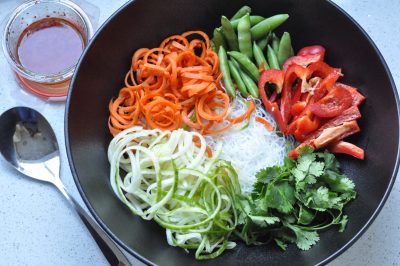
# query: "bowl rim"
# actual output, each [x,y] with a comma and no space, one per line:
[148,262]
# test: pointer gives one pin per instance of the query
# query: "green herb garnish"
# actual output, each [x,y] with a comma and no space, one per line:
[292,202]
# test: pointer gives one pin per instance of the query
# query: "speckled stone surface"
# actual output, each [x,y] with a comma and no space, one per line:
[37,227]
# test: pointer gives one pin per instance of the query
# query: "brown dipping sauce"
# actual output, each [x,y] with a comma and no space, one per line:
[50,46]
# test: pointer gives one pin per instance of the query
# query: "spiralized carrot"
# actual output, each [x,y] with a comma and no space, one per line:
[172,86]
[263,121]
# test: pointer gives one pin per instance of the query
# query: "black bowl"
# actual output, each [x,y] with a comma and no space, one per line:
[144,23]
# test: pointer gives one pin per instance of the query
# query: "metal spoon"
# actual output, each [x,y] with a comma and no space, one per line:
[28,143]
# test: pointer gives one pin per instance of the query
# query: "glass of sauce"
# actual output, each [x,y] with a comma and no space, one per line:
[43,40]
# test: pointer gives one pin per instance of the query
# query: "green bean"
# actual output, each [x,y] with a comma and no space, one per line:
[219,39]
[259,56]
[229,34]
[272,59]
[264,41]
[285,48]
[250,84]
[261,29]
[238,79]
[241,12]
[246,64]
[244,36]
[253,21]
[275,43]
[226,75]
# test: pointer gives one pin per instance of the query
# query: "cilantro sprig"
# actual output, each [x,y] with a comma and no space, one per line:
[292,202]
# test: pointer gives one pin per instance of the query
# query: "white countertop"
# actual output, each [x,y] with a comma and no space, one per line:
[37,226]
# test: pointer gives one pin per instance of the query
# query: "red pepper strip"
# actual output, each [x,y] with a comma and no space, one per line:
[335,134]
[297,108]
[328,136]
[312,50]
[296,94]
[293,73]
[327,83]
[357,97]
[307,124]
[333,104]
[272,76]
[293,154]
[301,61]
[347,148]
[350,114]
[320,69]
[303,126]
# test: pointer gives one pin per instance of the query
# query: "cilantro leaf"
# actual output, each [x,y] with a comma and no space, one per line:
[316,169]
[306,216]
[280,244]
[280,196]
[264,221]
[304,239]
[304,162]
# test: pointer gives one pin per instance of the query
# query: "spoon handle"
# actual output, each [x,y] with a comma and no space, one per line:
[110,250]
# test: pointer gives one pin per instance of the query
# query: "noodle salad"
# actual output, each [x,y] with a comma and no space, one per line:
[232,139]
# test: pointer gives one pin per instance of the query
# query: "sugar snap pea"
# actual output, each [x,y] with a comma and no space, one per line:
[253,21]
[285,48]
[250,84]
[244,36]
[261,29]
[219,39]
[259,56]
[272,59]
[264,41]
[229,34]
[246,64]
[237,78]
[275,43]
[241,12]
[224,67]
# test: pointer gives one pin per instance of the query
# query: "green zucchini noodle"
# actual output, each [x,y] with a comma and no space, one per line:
[163,176]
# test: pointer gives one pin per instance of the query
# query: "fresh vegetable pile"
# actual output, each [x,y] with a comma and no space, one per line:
[172,86]
[307,101]
[290,203]
[171,180]
[244,39]
[195,150]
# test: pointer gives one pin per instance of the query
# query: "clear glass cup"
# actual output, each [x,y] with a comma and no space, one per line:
[49,86]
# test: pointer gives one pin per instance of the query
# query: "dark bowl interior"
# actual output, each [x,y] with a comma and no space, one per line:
[145,23]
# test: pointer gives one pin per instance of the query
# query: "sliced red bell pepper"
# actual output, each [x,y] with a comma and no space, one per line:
[297,108]
[335,134]
[276,77]
[306,56]
[327,84]
[348,115]
[347,148]
[293,154]
[357,97]
[303,61]
[296,94]
[330,137]
[333,104]
[293,73]
[312,50]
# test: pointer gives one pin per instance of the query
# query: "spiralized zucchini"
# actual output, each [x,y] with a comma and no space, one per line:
[169,179]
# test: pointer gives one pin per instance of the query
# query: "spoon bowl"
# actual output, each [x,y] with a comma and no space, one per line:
[28,143]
